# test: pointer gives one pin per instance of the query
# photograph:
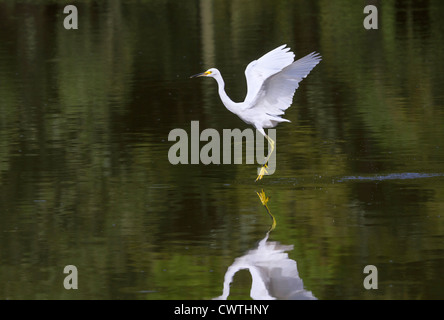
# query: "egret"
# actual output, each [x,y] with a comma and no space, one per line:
[271,82]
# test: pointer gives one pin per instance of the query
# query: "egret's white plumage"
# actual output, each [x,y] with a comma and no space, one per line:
[271,83]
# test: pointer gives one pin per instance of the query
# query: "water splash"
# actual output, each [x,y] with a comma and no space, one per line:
[391,176]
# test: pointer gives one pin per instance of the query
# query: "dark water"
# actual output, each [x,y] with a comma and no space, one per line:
[85,178]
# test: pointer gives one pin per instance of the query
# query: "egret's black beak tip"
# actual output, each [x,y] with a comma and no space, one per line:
[202,74]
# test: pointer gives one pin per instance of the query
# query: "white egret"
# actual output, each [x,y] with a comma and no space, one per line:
[274,275]
[271,83]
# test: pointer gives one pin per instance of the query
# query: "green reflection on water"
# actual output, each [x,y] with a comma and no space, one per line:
[84,174]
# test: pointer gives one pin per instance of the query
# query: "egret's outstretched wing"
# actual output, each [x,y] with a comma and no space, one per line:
[276,92]
[269,64]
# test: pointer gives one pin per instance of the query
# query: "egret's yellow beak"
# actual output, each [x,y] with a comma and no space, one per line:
[203,74]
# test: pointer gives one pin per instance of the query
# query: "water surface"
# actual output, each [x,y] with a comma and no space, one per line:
[85,178]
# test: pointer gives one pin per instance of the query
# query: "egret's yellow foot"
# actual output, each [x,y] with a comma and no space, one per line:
[263,197]
[262,172]
[264,200]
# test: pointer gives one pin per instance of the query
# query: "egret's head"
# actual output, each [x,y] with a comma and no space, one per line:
[209,73]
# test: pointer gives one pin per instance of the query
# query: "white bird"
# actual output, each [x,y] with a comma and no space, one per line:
[271,83]
[274,275]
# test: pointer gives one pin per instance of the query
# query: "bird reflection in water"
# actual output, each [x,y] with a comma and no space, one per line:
[274,274]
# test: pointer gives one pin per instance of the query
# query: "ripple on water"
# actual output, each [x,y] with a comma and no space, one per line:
[391,176]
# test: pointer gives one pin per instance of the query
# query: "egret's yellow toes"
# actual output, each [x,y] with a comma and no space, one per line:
[262,172]
[263,197]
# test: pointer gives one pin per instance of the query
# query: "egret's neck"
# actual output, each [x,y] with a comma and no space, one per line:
[228,103]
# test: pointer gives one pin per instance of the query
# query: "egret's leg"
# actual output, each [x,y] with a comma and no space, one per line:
[271,142]
[262,172]
[264,199]
[264,167]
